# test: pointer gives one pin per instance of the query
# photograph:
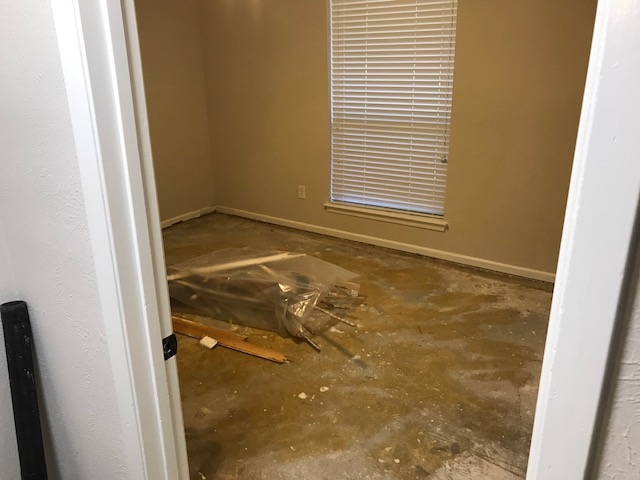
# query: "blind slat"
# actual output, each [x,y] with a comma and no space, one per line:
[392,150]
[417,186]
[403,119]
[365,96]
[359,163]
[403,204]
[376,184]
[382,196]
[405,143]
[373,5]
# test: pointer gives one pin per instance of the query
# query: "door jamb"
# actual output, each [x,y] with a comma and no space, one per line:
[98,46]
[595,254]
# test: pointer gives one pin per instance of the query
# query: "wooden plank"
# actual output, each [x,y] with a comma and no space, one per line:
[226,339]
[199,330]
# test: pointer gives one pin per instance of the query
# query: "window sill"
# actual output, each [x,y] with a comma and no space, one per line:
[418,220]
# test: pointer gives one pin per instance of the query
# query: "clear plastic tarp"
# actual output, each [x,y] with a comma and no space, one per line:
[271,290]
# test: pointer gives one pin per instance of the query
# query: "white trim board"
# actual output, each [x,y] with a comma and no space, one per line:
[593,266]
[187,216]
[97,72]
[154,230]
[404,247]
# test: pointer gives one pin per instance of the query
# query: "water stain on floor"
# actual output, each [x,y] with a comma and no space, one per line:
[438,380]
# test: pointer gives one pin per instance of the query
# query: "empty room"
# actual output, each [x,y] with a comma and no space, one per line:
[363,201]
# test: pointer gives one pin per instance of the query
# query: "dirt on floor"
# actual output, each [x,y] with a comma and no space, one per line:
[438,380]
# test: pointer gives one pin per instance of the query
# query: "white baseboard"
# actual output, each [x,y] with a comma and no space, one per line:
[187,216]
[405,247]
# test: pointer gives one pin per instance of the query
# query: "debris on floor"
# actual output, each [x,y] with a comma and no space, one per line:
[208,342]
[458,396]
[226,339]
[271,290]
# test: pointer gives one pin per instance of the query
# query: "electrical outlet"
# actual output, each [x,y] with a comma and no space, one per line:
[302,192]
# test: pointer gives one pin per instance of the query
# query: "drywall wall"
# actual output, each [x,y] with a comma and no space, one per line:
[618,453]
[9,465]
[46,240]
[519,76]
[171,48]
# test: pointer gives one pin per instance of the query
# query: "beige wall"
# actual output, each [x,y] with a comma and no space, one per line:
[171,47]
[519,76]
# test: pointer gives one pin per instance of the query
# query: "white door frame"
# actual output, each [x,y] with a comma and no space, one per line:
[103,76]
[596,249]
[98,46]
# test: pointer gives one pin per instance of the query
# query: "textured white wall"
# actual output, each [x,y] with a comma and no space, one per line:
[619,454]
[46,240]
[9,467]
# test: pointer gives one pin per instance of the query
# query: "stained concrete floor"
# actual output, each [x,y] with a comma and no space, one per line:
[438,381]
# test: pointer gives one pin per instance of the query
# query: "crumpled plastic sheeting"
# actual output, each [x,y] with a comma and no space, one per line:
[270,290]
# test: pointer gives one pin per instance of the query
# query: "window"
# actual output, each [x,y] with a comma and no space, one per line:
[391,83]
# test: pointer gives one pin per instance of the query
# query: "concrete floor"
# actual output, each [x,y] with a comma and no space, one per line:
[438,381]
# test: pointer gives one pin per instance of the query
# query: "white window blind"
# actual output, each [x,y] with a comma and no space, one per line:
[391,83]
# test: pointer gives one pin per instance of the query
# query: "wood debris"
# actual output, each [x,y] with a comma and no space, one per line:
[225,339]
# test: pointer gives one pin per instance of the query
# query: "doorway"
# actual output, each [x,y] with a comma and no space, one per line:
[97,70]
[486,332]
